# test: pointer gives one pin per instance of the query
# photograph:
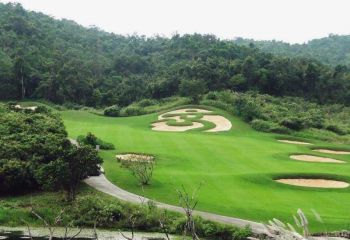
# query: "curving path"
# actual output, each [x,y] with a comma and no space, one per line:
[102,184]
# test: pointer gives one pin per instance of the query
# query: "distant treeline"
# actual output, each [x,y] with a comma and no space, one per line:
[61,61]
[333,50]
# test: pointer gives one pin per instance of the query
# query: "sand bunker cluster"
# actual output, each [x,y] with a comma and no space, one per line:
[221,123]
[314,182]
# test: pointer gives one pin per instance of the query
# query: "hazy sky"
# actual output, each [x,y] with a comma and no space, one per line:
[287,20]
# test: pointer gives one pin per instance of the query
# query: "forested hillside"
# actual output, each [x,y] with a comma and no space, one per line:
[334,49]
[61,61]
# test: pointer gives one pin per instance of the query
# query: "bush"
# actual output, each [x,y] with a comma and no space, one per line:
[292,123]
[280,129]
[336,129]
[147,102]
[261,125]
[92,140]
[116,214]
[15,177]
[247,108]
[131,111]
[112,111]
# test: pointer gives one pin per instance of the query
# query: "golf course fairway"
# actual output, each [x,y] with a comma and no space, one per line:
[237,168]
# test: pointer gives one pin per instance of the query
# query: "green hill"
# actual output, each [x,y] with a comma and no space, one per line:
[333,50]
[61,61]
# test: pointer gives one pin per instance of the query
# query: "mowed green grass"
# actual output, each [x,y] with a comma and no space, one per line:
[236,168]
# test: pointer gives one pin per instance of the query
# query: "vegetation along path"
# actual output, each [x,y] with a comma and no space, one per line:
[102,184]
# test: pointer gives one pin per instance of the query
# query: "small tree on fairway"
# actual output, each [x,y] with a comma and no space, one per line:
[142,170]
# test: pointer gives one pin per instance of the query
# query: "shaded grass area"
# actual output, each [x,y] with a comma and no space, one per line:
[237,168]
[14,209]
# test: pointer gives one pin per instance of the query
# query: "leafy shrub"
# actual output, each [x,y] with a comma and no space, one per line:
[212,96]
[92,140]
[280,129]
[112,111]
[116,214]
[267,126]
[15,177]
[131,111]
[262,125]
[218,104]
[336,129]
[147,102]
[292,123]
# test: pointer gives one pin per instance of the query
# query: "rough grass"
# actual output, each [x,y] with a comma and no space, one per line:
[236,167]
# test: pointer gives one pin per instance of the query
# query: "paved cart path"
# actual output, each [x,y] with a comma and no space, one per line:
[102,184]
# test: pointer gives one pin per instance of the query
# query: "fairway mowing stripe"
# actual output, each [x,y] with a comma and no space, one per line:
[194,156]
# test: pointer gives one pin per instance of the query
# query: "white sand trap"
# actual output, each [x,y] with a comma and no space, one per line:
[132,157]
[184,110]
[294,142]
[33,108]
[162,126]
[317,183]
[310,158]
[221,123]
[331,151]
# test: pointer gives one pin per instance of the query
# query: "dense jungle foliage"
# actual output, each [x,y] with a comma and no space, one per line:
[286,115]
[334,49]
[61,61]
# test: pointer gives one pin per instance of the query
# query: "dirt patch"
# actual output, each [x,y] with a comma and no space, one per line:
[310,158]
[317,183]
[163,126]
[294,142]
[221,123]
[331,151]
[132,157]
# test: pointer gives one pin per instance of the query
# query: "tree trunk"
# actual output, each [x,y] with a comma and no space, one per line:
[22,84]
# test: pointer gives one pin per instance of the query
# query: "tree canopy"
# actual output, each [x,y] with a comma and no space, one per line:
[61,61]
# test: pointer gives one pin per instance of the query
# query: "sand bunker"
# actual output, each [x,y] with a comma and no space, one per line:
[294,142]
[132,157]
[182,111]
[162,126]
[221,123]
[331,151]
[33,108]
[317,183]
[310,158]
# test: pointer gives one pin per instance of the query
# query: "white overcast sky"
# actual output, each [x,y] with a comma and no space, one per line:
[288,20]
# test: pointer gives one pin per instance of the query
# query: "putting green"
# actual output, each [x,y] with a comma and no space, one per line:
[237,168]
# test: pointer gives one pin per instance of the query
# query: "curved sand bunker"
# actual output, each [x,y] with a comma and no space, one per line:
[133,157]
[221,123]
[162,126]
[294,142]
[316,183]
[310,158]
[331,151]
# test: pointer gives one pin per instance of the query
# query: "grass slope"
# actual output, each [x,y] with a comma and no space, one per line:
[237,168]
